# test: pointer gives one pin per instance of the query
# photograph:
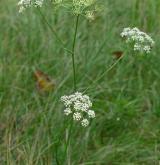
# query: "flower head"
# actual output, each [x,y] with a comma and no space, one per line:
[79,106]
[84,122]
[77,116]
[90,15]
[86,8]
[91,114]
[142,41]
[23,4]
[80,5]
[67,111]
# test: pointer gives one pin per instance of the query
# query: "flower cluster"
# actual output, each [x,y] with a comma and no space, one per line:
[80,5]
[86,8]
[23,4]
[78,105]
[83,7]
[142,41]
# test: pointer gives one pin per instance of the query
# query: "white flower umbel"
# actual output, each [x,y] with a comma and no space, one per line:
[84,122]
[23,4]
[80,5]
[77,116]
[67,111]
[142,41]
[87,8]
[91,114]
[90,15]
[79,106]
[38,3]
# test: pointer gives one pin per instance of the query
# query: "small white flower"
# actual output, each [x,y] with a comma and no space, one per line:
[147,49]
[67,111]
[79,105]
[90,15]
[23,4]
[21,9]
[84,122]
[82,6]
[91,114]
[137,47]
[141,40]
[38,3]
[77,116]
[118,119]
[66,100]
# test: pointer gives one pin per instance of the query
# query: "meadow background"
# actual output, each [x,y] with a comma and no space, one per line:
[126,99]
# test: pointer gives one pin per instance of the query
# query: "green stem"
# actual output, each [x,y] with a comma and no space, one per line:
[73,53]
[53,31]
[105,72]
[74,86]
[68,141]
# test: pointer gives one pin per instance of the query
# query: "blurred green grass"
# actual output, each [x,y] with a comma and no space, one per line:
[30,123]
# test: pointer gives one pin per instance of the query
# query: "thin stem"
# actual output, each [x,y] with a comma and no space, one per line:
[53,31]
[56,153]
[68,141]
[73,53]
[75,88]
[106,71]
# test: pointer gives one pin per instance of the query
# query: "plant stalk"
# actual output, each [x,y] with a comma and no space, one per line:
[73,54]
[53,31]
[74,87]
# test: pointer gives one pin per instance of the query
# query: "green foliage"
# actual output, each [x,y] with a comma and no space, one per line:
[126,98]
